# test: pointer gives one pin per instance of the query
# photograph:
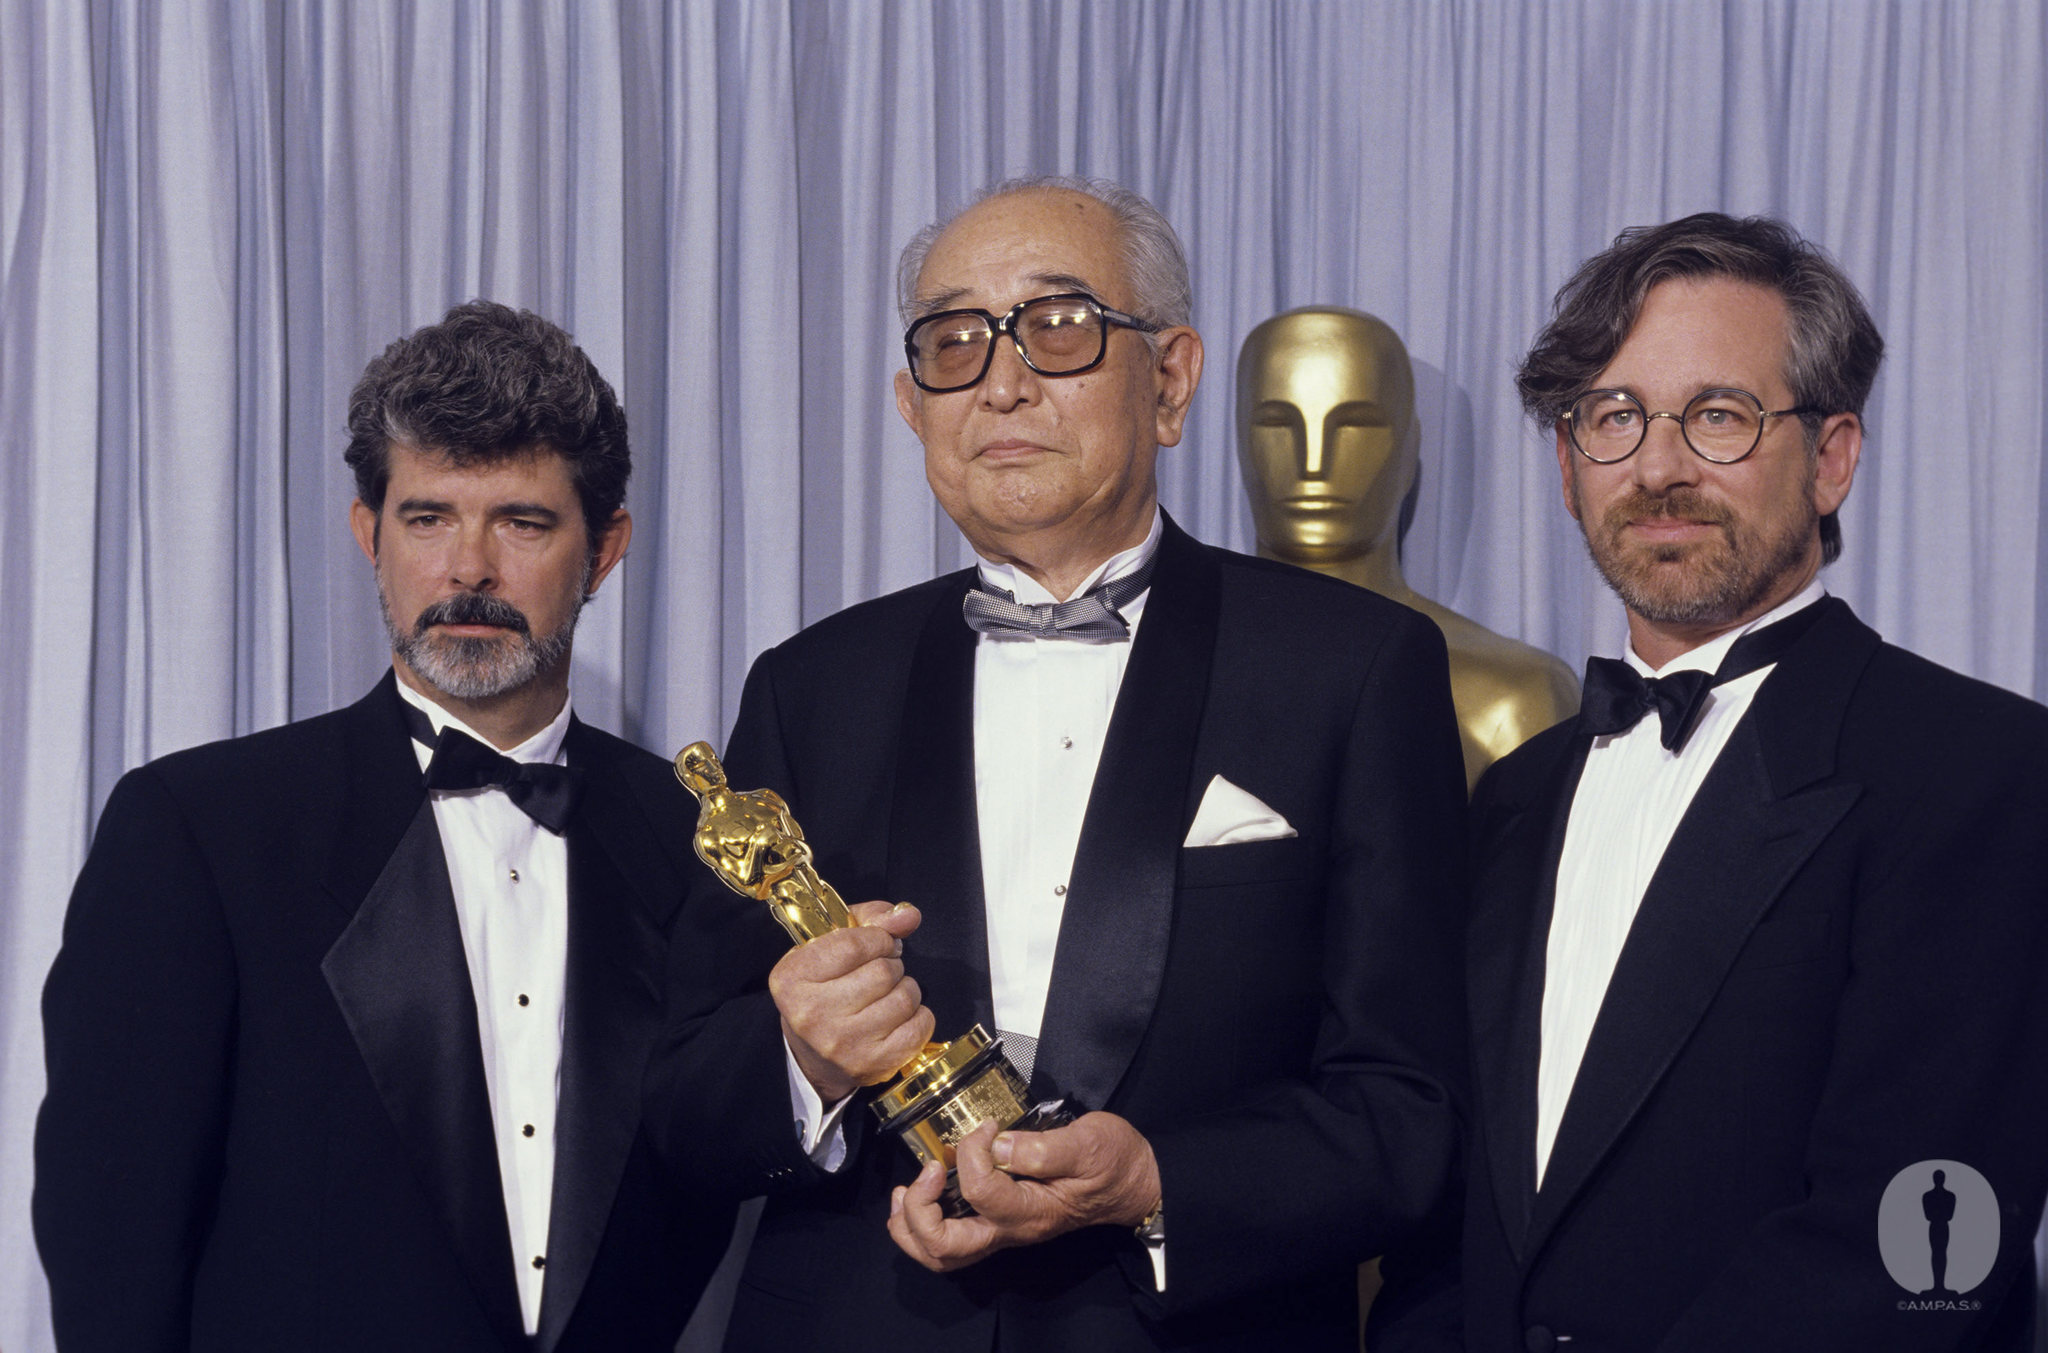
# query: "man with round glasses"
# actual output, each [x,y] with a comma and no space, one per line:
[1181,825]
[1766,923]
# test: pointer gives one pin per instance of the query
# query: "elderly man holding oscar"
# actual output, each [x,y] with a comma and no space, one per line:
[1192,864]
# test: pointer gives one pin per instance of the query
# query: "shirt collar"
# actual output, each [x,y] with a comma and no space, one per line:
[1707,657]
[1026,590]
[544,747]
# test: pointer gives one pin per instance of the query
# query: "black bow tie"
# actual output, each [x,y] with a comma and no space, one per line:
[1617,696]
[1094,617]
[544,792]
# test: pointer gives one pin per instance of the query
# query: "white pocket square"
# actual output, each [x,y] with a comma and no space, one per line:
[1229,815]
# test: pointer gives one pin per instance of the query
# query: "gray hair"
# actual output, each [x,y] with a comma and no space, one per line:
[1154,263]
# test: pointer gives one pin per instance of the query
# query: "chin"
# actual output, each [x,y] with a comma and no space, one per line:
[1015,507]
[1311,547]
[1671,593]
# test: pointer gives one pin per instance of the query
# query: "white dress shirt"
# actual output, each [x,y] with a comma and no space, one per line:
[1041,711]
[1629,802]
[511,881]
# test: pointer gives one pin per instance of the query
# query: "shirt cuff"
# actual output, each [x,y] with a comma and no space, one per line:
[818,1129]
[1155,1250]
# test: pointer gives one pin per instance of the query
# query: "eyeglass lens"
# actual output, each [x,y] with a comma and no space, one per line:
[1720,425]
[1058,335]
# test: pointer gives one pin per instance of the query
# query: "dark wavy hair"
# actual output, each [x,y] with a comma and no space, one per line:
[489,384]
[1833,347]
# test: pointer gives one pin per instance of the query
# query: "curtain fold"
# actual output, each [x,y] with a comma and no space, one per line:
[214,212]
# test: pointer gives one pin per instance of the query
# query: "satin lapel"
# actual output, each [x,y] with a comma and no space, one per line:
[384,790]
[1111,953]
[934,833]
[616,945]
[1514,892]
[399,976]
[1737,847]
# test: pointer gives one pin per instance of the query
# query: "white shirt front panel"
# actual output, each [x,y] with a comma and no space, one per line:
[1041,712]
[1628,804]
[511,882]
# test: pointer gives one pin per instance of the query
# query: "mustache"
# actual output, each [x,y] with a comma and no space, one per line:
[1682,502]
[472,608]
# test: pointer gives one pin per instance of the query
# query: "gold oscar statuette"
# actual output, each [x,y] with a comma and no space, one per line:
[946,1091]
[1330,446]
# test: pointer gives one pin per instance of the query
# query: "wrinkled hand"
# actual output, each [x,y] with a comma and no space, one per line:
[850,1016]
[1027,1187]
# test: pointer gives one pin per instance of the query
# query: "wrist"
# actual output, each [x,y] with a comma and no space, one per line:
[1145,1195]
[830,1083]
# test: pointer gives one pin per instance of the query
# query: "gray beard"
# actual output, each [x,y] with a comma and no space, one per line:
[467,668]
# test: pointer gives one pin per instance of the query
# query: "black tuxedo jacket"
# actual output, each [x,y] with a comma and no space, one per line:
[267,1125]
[1280,1018]
[1837,971]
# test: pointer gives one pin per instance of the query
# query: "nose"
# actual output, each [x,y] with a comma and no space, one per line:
[473,561]
[1009,382]
[1664,460]
[1314,450]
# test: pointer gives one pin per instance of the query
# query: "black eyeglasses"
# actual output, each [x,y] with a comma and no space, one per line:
[1720,425]
[1061,335]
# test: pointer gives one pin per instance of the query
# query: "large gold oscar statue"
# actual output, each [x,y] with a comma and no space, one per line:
[1327,441]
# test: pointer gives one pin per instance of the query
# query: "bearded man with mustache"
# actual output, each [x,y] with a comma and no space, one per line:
[1764,925]
[346,1034]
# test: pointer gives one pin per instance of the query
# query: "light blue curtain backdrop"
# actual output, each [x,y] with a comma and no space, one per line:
[212,212]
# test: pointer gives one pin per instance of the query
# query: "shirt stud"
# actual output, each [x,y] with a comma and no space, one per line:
[514,873]
[1059,890]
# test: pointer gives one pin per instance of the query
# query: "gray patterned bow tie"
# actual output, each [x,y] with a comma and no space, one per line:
[1092,618]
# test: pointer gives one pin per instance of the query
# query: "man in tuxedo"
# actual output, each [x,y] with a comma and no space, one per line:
[346,1035]
[1179,824]
[1764,926]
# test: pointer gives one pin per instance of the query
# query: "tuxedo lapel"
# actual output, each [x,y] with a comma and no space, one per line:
[1514,894]
[614,1005]
[934,832]
[1111,954]
[1764,808]
[399,976]
[383,789]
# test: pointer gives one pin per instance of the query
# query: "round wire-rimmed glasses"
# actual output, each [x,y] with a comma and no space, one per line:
[1060,335]
[1722,425]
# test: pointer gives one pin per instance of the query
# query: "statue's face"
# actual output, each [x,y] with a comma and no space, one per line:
[1325,416]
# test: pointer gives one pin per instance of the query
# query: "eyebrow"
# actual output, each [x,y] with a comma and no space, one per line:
[1697,390]
[540,511]
[1065,281]
[949,299]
